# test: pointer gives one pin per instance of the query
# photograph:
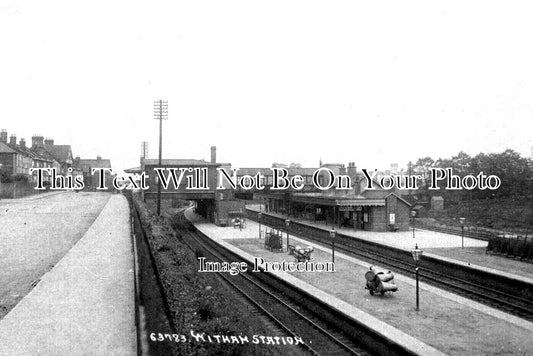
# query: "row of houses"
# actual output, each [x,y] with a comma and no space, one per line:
[17,158]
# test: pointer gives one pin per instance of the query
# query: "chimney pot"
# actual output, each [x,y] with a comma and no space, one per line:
[352,170]
[37,141]
[213,154]
[3,136]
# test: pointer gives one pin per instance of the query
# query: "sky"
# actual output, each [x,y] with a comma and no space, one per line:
[373,83]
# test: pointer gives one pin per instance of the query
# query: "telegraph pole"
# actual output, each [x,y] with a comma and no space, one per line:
[160,113]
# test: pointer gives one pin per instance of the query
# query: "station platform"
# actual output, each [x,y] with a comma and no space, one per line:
[445,322]
[86,304]
[400,239]
[436,244]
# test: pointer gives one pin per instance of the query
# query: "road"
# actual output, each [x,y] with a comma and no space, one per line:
[35,233]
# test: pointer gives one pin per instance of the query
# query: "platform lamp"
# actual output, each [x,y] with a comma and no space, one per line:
[259,215]
[462,220]
[332,234]
[287,223]
[413,214]
[416,256]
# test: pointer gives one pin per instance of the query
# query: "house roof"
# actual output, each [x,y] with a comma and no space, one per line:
[399,198]
[10,148]
[87,164]
[4,148]
[60,152]
[30,153]
[45,154]
[133,170]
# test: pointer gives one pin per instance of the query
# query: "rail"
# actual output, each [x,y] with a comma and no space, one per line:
[497,290]
[357,330]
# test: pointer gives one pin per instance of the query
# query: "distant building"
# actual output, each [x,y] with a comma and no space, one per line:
[218,206]
[87,165]
[60,153]
[437,203]
[13,162]
[357,207]
[18,159]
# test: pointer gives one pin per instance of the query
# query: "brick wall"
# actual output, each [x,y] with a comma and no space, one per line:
[401,211]
[17,190]
[379,218]
[223,207]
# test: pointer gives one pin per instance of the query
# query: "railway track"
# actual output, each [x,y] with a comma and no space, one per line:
[276,304]
[510,303]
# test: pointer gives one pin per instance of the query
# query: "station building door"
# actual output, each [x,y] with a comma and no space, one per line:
[361,218]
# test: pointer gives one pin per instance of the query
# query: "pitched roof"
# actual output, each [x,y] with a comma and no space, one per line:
[133,170]
[399,198]
[87,164]
[42,152]
[60,152]
[4,148]
[30,153]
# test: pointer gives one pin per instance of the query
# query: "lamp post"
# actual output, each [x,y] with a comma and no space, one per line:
[416,256]
[462,220]
[413,214]
[287,223]
[332,234]
[259,215]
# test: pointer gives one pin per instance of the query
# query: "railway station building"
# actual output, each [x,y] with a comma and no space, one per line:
[359,208]
[385,211]
[198,184]
[356,207]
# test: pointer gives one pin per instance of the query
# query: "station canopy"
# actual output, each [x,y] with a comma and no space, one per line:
[320,199]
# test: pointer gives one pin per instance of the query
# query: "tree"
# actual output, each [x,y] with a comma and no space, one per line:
[422,167]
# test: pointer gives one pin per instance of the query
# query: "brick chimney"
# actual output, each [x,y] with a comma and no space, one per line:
[342,170]
[352,169]
[213,154]
[98,158]
[12,140]
[3,136]
[352,173]
[22,143]
[37,141]
[49,142]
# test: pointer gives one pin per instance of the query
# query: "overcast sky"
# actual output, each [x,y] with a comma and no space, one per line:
[270,81]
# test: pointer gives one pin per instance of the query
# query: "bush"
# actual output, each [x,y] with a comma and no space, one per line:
[20,177]
[5,178]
